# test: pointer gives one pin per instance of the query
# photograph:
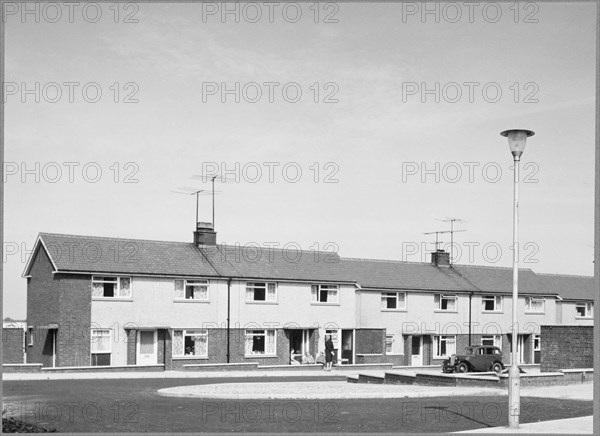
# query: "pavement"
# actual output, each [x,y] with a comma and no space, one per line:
[180,374]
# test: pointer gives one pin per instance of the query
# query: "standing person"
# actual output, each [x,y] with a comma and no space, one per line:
[328,353]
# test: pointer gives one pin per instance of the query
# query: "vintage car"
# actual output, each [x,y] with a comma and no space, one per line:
[476,358]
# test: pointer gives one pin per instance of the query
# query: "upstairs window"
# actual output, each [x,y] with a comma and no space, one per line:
[445,302]
[534,304]
[111,287]
[393,300]
[492,303]
[191,290]
[584,310]
[261,291]
[324,294]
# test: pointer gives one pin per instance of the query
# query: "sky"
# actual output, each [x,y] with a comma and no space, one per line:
[352,127]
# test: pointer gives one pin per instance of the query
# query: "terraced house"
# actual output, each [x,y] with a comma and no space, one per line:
[115,302]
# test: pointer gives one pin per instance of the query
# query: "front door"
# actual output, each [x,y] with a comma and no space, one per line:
[521,348]
[416,353]
[146,347]
[347,336]
[537,349]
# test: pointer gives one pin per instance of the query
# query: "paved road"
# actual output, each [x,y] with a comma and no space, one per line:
[134,406]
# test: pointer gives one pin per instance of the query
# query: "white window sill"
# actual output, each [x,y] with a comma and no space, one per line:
[492,311]
[584,317]
[394,354]
[393,310]
[259,356]
[444,311]
[534,313]
[190,357]
[261,302]
[111,299]
[318,303]
[190,300]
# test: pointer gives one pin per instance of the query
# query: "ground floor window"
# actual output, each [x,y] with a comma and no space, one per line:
[537,348]
[444,345]
[261,342]
[492,340]
[100,346]
[389,344]
[192,343]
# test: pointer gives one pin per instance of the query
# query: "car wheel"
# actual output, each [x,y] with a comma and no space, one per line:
[497,368]
[462,367]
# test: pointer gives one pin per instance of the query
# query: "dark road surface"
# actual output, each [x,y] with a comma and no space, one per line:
[133,405]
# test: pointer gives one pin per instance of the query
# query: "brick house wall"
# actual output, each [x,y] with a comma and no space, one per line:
[42,309]
[75,296]
[566,347]
[65,301]
[370,341]
[131,346]
[12,345]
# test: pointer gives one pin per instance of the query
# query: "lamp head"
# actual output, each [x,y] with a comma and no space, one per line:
[517,139]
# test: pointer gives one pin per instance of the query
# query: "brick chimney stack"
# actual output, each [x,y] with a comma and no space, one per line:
[205,234]
[440,258]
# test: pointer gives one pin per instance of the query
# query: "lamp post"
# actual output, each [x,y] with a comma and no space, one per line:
[516,141]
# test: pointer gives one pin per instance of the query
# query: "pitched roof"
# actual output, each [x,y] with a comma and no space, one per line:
[570,287]
[384,274]
[74,253]
[91,254]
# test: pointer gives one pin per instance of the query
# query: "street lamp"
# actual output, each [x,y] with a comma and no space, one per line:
[516,141]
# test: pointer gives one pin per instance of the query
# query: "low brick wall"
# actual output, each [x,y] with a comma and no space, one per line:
[566,347]
[128,368]
[22,368]
[399,379]
[370,379]
[292,368]
[371,358]
[12,345]
[251,366]
[435,380]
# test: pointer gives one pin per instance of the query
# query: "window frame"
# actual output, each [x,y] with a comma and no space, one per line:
[187,332]
[437,307]
[385,296]
[390,339]
[528,308]
[497,299]
[437,342]
[117,289]
[253,285]
[324,287]
[92,342]
[496,340]
[205,282]
[265,333]
[589,310]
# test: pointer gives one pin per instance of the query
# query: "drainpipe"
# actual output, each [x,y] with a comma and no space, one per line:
[470,298]
[228,317]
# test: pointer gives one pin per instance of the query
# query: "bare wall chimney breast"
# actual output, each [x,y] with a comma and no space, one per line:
[205,234]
